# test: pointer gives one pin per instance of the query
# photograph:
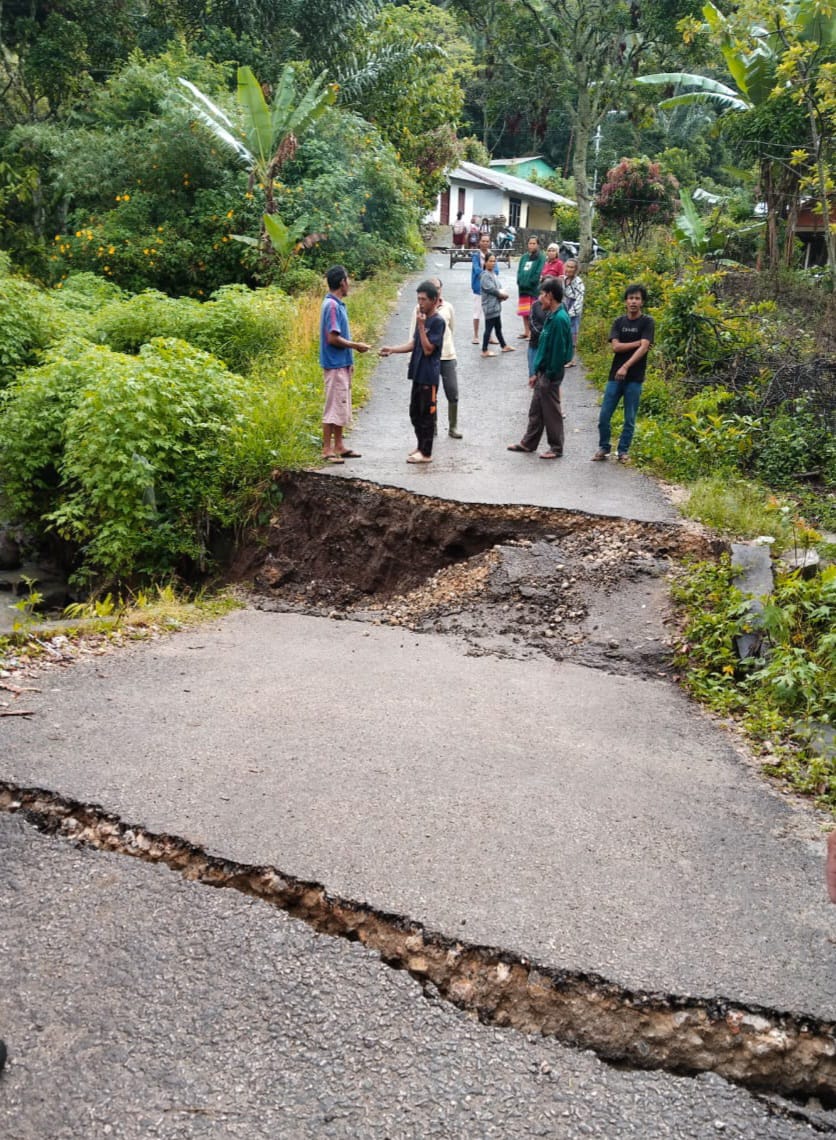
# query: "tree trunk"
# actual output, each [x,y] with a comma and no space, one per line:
[824,199]
[772,200]
[582,128]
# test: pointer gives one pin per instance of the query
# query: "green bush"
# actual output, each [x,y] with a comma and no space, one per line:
[130,451]
[777,698]
[33,417]
[607,279]
[567,222]
[27,325]
[699,334]
[86,292]
[796,441]
[179,241]
[237,325]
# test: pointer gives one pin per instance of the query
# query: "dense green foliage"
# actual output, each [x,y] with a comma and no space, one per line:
[709,401]
[151,422]
[784,693]
[124,452]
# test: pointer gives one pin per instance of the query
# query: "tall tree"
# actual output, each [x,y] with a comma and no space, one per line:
[782,61]
[597,47]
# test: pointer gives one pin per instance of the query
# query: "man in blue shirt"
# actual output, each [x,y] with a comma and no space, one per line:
[424,369]
[337,360]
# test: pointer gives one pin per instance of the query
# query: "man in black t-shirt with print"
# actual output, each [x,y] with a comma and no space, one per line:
[631,336]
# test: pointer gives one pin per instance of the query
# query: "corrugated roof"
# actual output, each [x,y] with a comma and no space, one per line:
[500,180]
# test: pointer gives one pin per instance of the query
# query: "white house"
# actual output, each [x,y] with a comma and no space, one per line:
[489,192]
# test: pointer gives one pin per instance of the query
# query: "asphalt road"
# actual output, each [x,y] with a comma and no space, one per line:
[592,821]
[140,1006]
[493,411]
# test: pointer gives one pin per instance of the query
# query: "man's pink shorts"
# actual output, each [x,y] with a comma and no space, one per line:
[337,396]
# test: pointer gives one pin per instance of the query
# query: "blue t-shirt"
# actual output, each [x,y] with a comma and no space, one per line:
[334,318]
[477,264]
[425,369]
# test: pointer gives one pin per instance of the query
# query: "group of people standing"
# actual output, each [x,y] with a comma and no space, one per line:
[551,298]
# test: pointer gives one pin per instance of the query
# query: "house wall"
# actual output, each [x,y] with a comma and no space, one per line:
[540,216]
[484,201]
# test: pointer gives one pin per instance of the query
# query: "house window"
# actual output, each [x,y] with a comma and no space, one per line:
[514,210]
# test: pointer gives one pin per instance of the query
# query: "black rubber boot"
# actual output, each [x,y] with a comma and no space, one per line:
[452,420]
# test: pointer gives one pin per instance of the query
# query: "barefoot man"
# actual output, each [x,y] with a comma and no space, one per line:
[337,359]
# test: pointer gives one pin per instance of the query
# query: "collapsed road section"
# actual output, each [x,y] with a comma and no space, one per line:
[759,1048]
[510,580]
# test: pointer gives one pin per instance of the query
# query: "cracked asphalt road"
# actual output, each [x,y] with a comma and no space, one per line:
[141,1006]
[593,820]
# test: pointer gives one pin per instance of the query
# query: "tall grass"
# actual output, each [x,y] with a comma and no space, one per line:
[284,425]
[738,509]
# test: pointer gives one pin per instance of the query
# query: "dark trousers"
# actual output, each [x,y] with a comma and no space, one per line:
[422,409]
[492,324]
[545,412]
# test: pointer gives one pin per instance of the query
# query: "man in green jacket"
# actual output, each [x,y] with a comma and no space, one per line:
[554,352]
[528,282]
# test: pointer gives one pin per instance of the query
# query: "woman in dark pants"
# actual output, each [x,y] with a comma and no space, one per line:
[492,298]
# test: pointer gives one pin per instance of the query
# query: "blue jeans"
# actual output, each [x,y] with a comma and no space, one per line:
[532,352]
[630,391]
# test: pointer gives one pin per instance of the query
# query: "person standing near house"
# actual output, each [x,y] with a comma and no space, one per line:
[473,232]
[477,265]
[492,298]
[631,337]
[553,354]
[528,282]
[424,369]
[574,291]
[336,356]
[459,230]
[554,266]
[449,373]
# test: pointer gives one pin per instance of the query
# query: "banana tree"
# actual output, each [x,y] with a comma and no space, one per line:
[287,242]
[764,72]
[269,134]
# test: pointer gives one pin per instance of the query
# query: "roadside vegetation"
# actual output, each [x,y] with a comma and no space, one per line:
[171,193]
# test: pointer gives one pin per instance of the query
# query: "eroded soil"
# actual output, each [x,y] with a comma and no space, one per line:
[511,581]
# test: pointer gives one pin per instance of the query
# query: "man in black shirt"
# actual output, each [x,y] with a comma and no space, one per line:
[631,336]
[424,369]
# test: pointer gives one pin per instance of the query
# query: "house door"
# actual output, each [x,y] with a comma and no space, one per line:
[514,209]
[461,200]
[445,207]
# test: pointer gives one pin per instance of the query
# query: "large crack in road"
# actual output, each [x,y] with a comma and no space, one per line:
[761,1049]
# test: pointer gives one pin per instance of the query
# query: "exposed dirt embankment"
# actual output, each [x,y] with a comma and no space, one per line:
[509,580]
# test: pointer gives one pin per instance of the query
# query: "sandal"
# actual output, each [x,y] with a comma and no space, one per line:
[349,454]
[600,455]
[417,457]
[332,459]
[550,455]
[518,447]
[508,348]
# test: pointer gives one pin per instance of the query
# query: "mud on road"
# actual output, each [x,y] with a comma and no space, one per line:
[510,581]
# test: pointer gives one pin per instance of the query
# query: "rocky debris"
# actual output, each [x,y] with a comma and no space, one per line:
[573,596]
